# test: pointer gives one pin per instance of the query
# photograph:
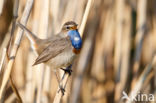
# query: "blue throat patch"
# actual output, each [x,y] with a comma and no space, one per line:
[75,39]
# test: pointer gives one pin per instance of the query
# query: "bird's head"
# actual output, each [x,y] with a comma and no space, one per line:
[70,29]
[70,25]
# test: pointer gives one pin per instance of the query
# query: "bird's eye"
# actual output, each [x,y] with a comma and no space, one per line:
[67,27]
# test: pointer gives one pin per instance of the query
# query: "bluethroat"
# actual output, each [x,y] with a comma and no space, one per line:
[59,50]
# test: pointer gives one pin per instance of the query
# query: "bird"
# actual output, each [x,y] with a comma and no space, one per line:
[58,51]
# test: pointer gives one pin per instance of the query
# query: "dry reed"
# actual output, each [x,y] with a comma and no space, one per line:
[118,53]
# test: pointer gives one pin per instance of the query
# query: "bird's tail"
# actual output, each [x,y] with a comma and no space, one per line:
[31,36]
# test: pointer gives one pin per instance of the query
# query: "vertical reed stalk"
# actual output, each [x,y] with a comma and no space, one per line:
[141,27]
[14,50]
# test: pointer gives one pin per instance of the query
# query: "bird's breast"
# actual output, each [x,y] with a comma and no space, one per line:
[64,59]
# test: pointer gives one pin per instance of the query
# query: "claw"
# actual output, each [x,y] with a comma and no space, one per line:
[69,71]
[62,90]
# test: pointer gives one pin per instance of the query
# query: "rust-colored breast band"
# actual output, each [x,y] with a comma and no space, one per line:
[76,51]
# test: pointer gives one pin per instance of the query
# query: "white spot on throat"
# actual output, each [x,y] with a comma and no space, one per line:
[76,38]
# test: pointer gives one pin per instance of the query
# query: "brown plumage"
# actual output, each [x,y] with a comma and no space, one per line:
[56,51]
[53,49]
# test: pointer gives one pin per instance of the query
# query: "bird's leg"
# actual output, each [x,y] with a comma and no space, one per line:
[67,70]
[60,86]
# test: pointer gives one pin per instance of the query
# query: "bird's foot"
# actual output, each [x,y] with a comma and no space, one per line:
[67,70]
[62,90]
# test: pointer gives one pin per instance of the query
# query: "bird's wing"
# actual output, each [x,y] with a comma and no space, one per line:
[56,47]
[44,43]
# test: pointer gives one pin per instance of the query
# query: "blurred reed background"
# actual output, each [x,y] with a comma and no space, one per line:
[118,54]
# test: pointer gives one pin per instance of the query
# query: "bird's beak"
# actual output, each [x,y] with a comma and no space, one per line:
[74,27]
